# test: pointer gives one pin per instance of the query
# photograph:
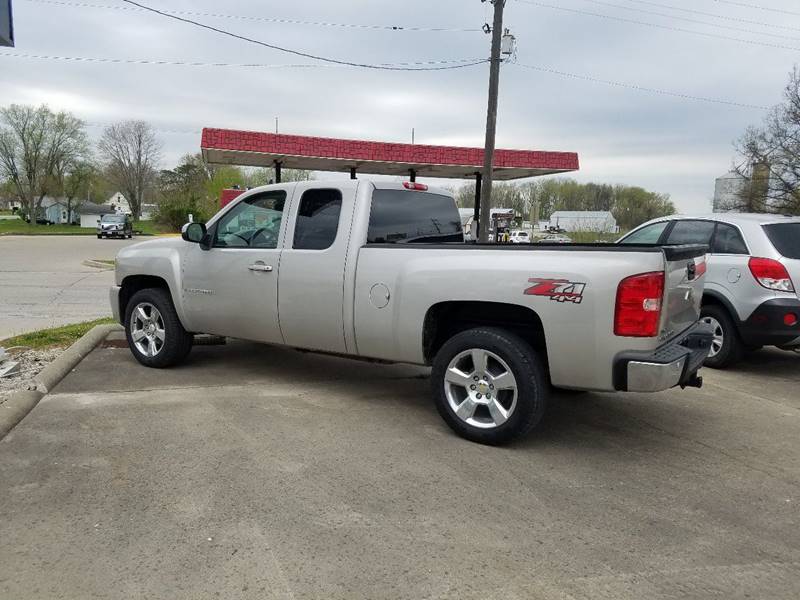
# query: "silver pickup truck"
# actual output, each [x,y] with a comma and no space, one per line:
[381,271]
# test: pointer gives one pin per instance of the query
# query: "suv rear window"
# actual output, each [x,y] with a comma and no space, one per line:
[403,217]
[785,237]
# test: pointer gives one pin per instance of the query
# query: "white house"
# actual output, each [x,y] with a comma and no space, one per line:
[597,221]
[120,203]
[90,213]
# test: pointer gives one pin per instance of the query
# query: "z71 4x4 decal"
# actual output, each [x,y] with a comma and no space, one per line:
[560,290]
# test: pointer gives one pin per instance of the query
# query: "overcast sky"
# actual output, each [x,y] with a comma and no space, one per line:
[666,144]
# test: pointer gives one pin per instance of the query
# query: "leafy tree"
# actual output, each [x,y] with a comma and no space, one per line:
[131,152]
[34,144]
[535,200]
[769,158]
[73,181]
[184,190]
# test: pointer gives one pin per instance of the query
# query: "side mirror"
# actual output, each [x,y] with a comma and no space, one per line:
[193,232]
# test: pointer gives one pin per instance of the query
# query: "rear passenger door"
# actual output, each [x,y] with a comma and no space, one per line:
[727,265]
[311,282]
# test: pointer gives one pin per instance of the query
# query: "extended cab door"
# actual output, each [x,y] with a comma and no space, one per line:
[313,263]
[232,289]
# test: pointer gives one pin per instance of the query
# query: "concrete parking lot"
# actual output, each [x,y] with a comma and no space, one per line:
[44,283]
[260,472]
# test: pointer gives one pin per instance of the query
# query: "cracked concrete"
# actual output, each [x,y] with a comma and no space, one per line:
[260,472]
[44,283]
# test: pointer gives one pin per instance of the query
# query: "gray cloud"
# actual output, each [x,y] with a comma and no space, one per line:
[623,136]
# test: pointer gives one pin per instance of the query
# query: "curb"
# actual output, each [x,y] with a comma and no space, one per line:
[13,410]
[98,265]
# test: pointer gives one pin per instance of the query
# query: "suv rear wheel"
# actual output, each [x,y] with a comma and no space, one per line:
[726,347]
[155,334]
[489,385]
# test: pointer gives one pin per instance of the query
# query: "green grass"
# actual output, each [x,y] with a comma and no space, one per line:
[55,337]
[20,227]
[590,237]
[151,228]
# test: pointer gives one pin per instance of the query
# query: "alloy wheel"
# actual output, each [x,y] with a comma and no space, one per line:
[480,388]
[719,336]
[147,329]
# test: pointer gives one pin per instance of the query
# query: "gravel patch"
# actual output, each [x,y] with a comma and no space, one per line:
[31,362]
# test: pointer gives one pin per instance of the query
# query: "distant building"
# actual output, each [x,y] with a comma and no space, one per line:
[120,203]
[57,210]
[91,213]
[584,220]
[728,189]
[501,217]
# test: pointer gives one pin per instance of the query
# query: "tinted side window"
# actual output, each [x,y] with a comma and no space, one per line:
[691,232]
[647,235]
[401,217]
[317,219]
[728,240]
[253,223]
[785,237]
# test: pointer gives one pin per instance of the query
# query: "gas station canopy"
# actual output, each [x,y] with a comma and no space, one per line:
[249,148]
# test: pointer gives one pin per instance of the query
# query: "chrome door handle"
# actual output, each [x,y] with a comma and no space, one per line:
[260,267]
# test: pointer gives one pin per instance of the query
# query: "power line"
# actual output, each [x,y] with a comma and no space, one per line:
[656,26]
[182,63]
[640,88]
[299,53]
[715,15]
[189,13]
[757,7]
[688,20]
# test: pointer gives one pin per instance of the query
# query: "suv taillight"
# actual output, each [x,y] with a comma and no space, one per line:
[638,308]
[771,274]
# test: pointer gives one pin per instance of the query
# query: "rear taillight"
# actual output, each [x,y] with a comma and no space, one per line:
[700,268]
[638,308]
[413,185]
[771,274]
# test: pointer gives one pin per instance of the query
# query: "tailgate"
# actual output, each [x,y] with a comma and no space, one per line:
[684,281]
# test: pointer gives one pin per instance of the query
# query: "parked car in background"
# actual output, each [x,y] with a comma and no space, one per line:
[380,270]
[520,236]
[114,226]
[555,238]
[751,295]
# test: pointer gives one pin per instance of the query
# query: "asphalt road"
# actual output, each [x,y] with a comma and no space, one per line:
[258,472]
[43,282]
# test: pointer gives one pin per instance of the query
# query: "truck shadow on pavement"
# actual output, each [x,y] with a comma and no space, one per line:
[269,376]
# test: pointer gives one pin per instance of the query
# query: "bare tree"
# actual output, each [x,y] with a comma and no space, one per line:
[769,158]
[33,142]
[131,152]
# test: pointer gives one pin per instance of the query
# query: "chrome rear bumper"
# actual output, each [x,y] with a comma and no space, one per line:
[675,363]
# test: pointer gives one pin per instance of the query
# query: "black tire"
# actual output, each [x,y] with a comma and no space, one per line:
[524,364]
[99,237]
[177,341]
[732,348]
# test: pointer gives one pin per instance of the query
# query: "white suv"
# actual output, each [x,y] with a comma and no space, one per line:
[751,295]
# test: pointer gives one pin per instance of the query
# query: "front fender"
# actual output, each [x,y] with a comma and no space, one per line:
[159,259]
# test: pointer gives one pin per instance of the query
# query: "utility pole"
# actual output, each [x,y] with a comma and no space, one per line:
[491,121]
